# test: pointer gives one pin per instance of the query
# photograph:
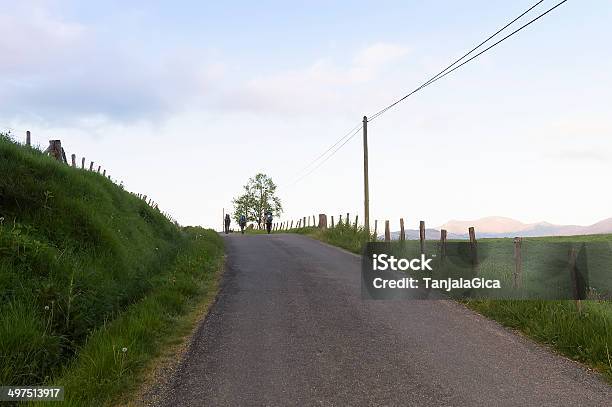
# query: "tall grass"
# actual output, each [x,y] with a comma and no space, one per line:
[108,366]
[584,336]
[76,250]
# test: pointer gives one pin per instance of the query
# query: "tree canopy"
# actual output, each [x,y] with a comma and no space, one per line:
[259,197]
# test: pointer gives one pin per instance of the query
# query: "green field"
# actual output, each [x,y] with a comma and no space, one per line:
[93,280]
[584,336]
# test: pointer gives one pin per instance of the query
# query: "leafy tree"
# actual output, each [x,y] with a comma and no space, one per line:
[258,198]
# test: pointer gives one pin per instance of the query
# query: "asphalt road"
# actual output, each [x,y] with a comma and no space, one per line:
[290,328]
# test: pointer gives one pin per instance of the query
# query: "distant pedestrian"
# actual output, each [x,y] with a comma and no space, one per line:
[269,221]
[227,223]
[242,222]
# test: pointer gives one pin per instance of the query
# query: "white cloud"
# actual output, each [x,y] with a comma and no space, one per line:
[30,38]
[320,88]
[370,61]
[61,72]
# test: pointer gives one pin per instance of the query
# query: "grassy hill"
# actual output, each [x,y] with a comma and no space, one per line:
[77,254]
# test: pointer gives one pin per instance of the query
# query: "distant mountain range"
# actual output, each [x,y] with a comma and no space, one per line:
[498,226]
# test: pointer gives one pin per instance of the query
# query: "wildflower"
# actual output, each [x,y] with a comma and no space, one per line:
[46,308]
[124,350]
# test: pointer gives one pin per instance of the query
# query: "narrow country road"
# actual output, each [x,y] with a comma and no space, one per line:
[290,328]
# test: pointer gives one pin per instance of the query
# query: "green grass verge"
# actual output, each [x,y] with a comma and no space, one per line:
[585,337]
[87,269]
[110,366]
[75,251]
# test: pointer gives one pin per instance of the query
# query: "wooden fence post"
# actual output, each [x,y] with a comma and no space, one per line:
[55,150]
[340,220]
[402,231]
[356,221]
[73,156]
[574,278]
[332,221]
[83,163]
[347,222]
[422,235]
[104,173]
[322,221]
[443,243]
[28,139]
[473,247]
[517,281]
[387,232]
[99,166]
[291,223]
[91,166]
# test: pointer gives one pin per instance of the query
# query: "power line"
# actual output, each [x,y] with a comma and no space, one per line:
[500,41]
[433,79]
[298,173]
[352,134]
[446,71]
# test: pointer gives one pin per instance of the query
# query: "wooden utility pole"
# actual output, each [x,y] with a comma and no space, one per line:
[366,186]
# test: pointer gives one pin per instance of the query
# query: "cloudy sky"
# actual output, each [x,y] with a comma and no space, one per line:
[185,100]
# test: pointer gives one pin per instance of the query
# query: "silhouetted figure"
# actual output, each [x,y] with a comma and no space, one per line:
[242,222]
[227,223]
[269,221]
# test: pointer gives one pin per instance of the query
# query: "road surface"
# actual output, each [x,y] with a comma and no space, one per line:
[290,328]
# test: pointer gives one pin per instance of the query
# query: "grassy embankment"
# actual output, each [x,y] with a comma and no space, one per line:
[585,336]
[93,281]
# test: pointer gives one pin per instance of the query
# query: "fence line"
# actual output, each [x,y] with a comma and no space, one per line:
[56,150]
[517,275]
